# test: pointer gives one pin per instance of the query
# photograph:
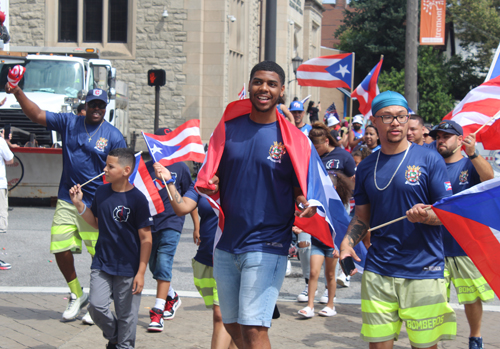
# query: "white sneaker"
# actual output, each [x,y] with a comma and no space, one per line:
[343,280]
[74,306]
[304,296]
[288,268]
[87,319]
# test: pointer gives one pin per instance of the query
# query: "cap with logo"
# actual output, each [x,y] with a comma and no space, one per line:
[296,106]
[97,93]
[447,126]
[162,131]
[358,119]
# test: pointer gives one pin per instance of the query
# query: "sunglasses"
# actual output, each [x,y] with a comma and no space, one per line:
[445,126]
[96,104]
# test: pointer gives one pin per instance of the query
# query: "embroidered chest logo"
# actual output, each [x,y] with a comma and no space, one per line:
[412,175]
[334,163]
[101,144]
[463,178]
[121,213]
[276,152]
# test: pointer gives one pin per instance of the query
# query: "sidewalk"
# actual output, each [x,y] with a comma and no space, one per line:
[33,321]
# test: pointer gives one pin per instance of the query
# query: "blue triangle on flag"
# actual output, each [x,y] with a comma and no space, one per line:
[160,151]
[342,70]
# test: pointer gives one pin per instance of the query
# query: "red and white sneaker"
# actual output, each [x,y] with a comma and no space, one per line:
[171,306]
[156,324]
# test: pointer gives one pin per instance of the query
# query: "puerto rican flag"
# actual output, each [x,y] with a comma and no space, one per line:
[472,217]
[182,144]
[331,220]
[243,93]
[327,71]
[142,180]
[478,106]
[368,90]
[495,66]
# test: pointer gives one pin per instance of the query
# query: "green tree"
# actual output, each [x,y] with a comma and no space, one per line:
[434,86]
[477,25]
[371,29]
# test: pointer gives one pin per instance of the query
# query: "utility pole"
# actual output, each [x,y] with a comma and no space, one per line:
[270,39]
[411,47]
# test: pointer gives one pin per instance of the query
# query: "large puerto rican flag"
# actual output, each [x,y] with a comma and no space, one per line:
[478,106]
[368,90]
[331,220]
[142,180]
[182,144]
[472,217]
[495,66]
[327,71]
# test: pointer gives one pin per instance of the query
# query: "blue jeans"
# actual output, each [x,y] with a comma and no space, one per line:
[248,285]
[162,253]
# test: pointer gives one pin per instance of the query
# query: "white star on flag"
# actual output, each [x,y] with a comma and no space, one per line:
[155,150]
[343,70]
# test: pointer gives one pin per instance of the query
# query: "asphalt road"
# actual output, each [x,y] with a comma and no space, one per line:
[26,247]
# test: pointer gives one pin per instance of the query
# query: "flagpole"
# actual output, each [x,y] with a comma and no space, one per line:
[90,180]
[352,86]
[166,186]
[479,129]
[394,221]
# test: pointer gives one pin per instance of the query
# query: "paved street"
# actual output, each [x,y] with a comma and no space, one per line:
[33,295]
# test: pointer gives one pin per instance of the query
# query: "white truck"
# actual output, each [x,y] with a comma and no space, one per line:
[57,80]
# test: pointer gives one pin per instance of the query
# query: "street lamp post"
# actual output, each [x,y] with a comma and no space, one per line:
[296,62]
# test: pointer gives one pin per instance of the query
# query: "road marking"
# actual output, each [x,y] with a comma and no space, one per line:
[192,294]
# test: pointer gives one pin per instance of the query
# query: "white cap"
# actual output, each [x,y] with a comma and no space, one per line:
[332,121]
[358,119]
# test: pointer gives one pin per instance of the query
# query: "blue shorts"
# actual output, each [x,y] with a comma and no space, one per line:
[162,253]
[325,252]
[248,285]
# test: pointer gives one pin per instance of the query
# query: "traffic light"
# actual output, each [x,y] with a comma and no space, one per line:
[156,77]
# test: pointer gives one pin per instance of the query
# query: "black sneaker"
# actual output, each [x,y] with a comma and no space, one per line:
[111,345]
[171,306]
[476,343]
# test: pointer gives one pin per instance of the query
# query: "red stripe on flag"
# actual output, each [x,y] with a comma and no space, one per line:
[313,68]
[196,157]
[150,186]
[323,83]
[478,242]
[318,225]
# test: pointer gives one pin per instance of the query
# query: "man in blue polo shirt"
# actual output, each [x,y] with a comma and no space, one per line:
[86,140]
[297,110]
[465,172]
[403,278]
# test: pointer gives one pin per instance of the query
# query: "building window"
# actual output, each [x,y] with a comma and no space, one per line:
[68,20]
[117,22]
[92,20]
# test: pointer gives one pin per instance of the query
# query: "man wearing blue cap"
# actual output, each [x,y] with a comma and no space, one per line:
[465,172]
[403,278]
[297,110]
[86,140]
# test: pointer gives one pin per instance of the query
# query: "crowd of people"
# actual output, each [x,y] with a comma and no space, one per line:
[392,165]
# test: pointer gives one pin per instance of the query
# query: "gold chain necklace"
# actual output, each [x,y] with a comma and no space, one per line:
[90,137]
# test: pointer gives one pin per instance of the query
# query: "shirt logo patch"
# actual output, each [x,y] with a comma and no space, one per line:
[447,186]
[334,163]
[121,213]
[412,175]
[101,144]
[463,178]
[276,151]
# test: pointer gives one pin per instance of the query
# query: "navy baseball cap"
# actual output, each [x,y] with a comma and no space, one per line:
[97,93]
[296,106]
[162,131]
[448,126]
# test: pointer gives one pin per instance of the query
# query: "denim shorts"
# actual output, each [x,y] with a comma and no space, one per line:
[325,252]
[248,285]
[162,253]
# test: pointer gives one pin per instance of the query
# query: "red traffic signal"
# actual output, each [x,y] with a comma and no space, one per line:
[157,77]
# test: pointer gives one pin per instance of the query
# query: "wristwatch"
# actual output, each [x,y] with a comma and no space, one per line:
[475,155]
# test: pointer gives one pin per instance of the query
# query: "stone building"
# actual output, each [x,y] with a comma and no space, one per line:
[206,47]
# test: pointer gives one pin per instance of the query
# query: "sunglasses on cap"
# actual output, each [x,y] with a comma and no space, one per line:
[445,126]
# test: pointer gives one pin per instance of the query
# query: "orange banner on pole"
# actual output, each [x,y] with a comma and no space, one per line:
[432,22]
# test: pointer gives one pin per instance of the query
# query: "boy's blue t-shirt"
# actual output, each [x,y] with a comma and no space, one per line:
[256,189]
[208,227]
[168,219]
[83,160]
[403,249]
[120,215]
[339,160]
[463,175]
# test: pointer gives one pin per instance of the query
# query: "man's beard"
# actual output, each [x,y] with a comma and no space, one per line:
[446,153]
